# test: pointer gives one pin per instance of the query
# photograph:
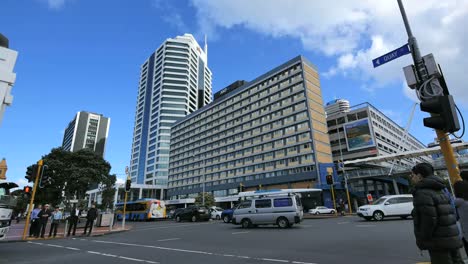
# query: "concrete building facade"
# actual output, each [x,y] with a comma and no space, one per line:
[87,130]
[266,134]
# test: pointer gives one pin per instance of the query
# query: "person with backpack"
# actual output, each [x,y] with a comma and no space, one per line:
[434,217]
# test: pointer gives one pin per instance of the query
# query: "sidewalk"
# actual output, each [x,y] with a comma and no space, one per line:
[16,231]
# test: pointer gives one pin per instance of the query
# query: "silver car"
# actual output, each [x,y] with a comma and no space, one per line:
[281,210]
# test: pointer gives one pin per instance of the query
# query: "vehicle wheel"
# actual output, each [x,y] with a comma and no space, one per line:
[404,217]
[194,218]
[246,223]
[282,222]
[177,219]
[332,212]
[378,215]
[218,217]
[317,213]
[226,219]
[368,218]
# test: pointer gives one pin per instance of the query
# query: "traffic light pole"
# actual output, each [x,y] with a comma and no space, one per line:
[36,183]
[443,137]
[125,209]
[333,197]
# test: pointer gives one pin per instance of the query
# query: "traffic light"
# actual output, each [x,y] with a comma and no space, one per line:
[128,185]
[45,176]
[444,113]
[31,173]
[329,179]
[27,189]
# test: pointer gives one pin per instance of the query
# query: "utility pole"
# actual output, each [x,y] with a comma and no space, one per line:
[344,173]
[426,77]
[40,163]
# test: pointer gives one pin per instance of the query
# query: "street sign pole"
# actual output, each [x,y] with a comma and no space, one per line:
[333,197]
[36,181]
[443,137]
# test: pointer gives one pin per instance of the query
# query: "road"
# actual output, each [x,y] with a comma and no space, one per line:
[333,240]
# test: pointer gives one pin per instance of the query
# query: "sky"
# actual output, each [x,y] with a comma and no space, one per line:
[86,55]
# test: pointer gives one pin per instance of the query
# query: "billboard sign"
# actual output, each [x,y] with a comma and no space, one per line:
[359,134]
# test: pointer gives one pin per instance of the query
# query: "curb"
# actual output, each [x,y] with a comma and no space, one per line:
[59,238]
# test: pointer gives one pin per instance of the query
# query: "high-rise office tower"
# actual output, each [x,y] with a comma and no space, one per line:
[174,82]
[87,130]
[7,76]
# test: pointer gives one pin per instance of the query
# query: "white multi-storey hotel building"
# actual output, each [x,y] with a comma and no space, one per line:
[174,82]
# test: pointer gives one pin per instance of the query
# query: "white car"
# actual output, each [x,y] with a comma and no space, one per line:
[216,212]
[322,210]
[386,206]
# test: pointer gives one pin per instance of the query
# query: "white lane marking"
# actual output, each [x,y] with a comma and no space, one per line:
[365,225]
[171,226]
[72,248]
[199,252]
[168,239]
[133,259]
[95,253]
[342,223]
[274,260]
[245,232]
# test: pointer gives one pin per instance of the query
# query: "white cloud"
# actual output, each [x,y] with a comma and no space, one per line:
[21,183]
[120,180]
[355,32]
[55,4]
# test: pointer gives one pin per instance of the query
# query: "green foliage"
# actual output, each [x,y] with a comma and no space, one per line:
[209,199]
[73,173]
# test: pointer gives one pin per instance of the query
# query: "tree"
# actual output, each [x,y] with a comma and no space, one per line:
[72,174]
[209,200]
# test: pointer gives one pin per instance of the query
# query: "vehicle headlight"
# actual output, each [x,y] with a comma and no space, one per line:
[363,209]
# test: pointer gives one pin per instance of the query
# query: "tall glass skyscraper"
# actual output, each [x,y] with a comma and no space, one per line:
[174,82]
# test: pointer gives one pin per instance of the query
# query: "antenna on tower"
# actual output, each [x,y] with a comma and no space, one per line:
[206,49]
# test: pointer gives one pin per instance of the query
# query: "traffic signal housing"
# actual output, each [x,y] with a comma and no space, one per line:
[128,185]
[329,179]
[31,173]
[444,115]
[27,190]
[45,176]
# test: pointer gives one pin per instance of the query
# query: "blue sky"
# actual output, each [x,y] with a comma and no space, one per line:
[85,55]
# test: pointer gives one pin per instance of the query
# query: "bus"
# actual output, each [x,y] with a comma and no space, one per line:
[144,209]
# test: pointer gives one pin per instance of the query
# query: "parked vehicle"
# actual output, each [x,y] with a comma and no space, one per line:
[387,206]
[7,203]
[322,210]
[193,213]
[216,212]
[173,212]
[283,210]
[226,215]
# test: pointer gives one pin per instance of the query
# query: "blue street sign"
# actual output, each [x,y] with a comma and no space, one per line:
[401,51]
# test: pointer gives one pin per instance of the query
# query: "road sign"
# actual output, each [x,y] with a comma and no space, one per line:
[401,51]
[369,197]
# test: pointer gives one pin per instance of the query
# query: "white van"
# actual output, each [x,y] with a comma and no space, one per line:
[386,206]
[283,210]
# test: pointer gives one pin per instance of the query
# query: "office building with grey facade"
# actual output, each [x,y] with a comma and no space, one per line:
[362,131]
[174,82]
[87,131]
[269,133]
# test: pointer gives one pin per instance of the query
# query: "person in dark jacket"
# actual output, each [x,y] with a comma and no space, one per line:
[73,219]
[461,192]
[43,216]
[435,223]
[90,217]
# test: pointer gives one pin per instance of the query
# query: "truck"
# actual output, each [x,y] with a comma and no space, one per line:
[7,203]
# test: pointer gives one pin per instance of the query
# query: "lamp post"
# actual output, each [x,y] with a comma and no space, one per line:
[344,171]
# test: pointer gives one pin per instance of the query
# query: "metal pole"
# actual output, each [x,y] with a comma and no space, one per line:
[333,197]
[444,140]
[203,196]
[36,182]
[344,173]
[124,211]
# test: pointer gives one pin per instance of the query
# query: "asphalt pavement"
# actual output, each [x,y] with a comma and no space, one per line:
[333,240]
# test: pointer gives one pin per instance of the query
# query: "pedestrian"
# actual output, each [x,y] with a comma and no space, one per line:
[90,217]
[73,219]
[461,201]
[34,228]
[434,218]
[44,215]
[56,217]
[20,214]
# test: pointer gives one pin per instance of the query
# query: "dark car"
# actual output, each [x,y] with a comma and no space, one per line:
[173,213]
[193,213]
[226,215]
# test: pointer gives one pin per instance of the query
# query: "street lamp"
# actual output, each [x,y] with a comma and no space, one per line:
[344,171]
